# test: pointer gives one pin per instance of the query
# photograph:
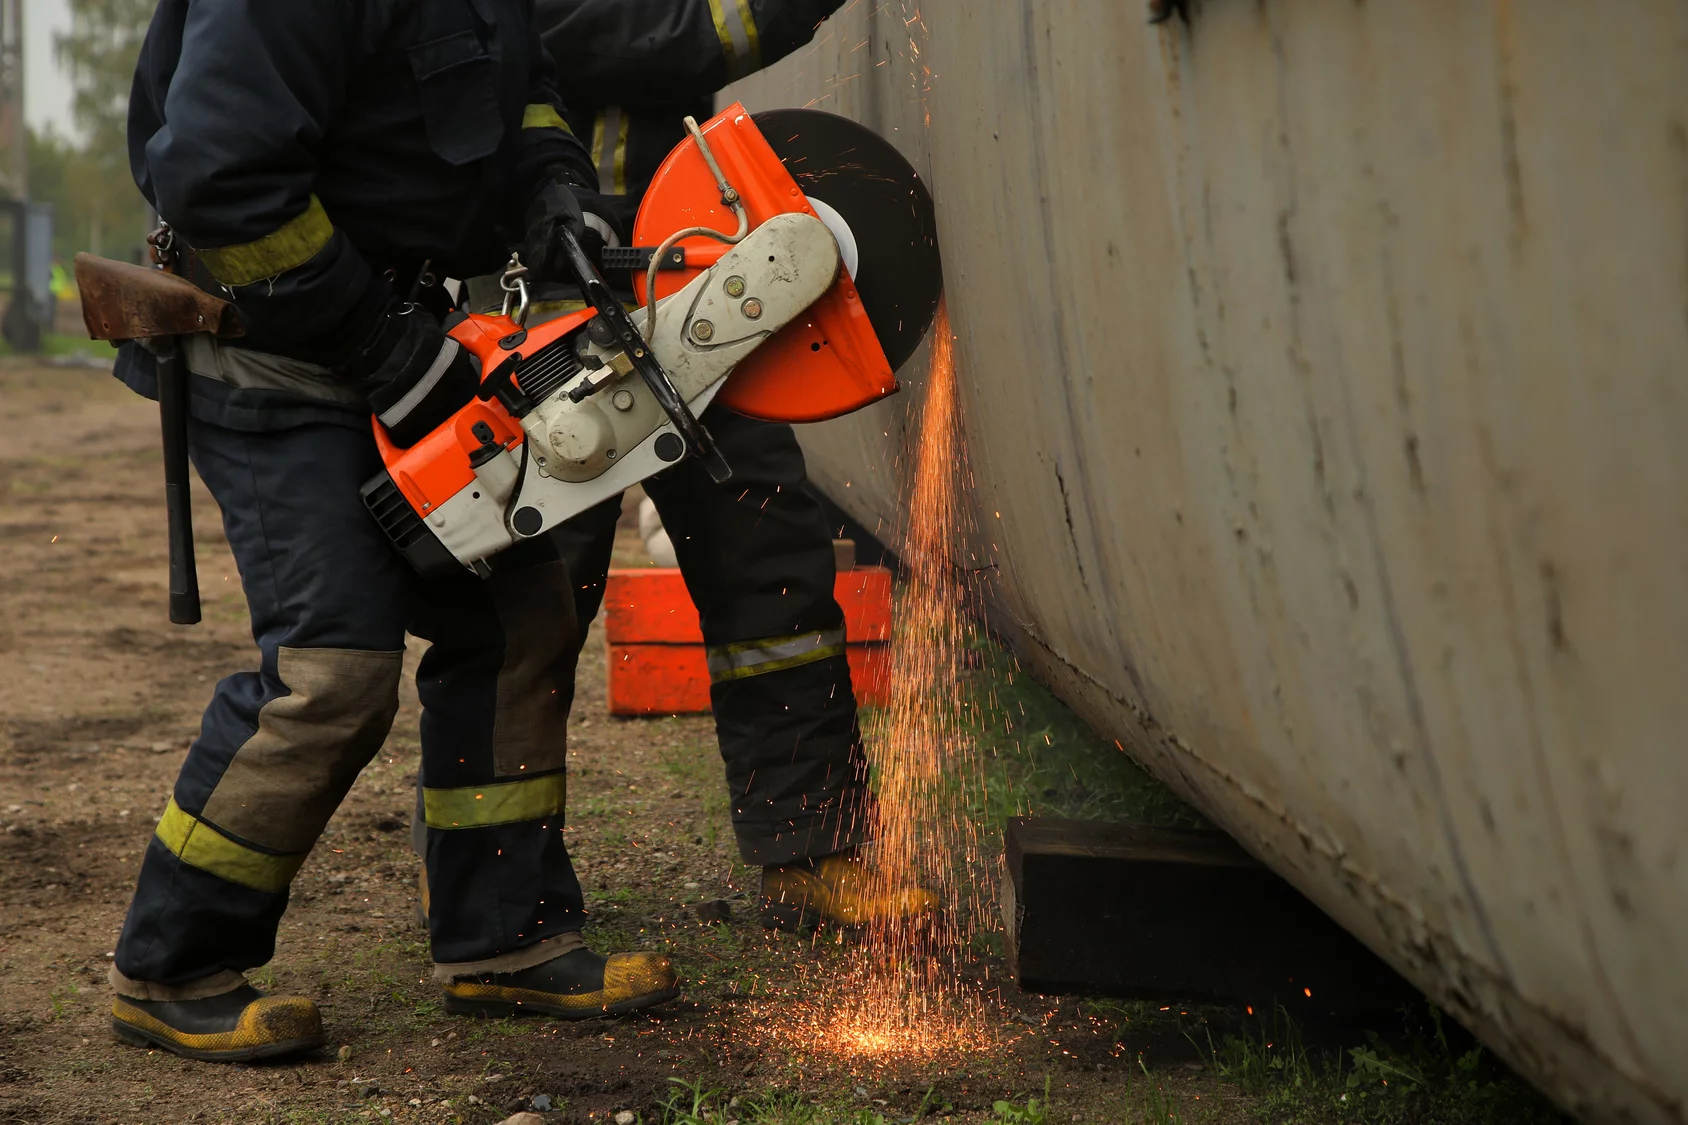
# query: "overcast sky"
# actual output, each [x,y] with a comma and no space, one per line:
[46,91]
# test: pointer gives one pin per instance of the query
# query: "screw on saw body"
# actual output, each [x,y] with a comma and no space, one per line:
[703,331]
[598,330]
[752,309]
[735,286]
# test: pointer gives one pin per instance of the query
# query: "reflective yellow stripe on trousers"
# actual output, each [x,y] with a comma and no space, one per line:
[198,844]
[609,150]
[772,654]
[505,802]
[735,26]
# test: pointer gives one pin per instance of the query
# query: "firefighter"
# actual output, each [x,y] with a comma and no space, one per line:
[324,161]
[756,553]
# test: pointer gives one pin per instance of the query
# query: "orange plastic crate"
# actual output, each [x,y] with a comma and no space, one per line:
[656,663]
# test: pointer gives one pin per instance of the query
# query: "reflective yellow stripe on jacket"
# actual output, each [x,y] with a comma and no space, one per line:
[505,802]
[290,246]
[540,115]
[740,42]
[772,654]
[200,845]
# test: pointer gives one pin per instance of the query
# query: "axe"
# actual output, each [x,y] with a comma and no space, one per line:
[122,302]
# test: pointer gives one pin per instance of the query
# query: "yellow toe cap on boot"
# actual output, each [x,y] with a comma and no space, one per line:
[841,890]
[280,1019]
[270,1025]
[577,985]
[630,977]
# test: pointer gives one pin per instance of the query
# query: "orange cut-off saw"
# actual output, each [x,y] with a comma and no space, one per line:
[784,265]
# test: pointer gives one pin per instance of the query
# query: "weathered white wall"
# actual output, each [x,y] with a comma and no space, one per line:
[1327,363]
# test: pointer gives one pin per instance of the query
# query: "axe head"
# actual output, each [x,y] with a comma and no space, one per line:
[121,301]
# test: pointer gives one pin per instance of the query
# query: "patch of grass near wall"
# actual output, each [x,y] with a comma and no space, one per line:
[1041,759]
[1415,1068]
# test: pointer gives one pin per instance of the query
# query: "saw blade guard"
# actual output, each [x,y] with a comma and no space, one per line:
[826,363]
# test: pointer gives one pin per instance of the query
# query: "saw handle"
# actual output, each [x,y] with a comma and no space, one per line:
[178,501]
[598,295]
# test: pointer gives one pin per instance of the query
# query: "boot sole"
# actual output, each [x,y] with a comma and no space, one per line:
[501,1009]
[141,1038]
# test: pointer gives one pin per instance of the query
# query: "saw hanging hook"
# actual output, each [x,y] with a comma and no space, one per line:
[729,198]
[515,286]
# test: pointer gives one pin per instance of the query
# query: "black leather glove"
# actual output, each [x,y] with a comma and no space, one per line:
[558,206]
[413,374]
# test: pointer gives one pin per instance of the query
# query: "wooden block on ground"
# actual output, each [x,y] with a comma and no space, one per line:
[1175,914]
[674,679]
[650,605]
[844,555]
[657,664]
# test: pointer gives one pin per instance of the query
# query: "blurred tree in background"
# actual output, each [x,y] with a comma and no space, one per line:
[87,178]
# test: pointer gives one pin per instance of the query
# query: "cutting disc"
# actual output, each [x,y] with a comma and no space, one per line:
[886,211]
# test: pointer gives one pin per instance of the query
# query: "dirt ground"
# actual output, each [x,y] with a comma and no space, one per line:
[99,698]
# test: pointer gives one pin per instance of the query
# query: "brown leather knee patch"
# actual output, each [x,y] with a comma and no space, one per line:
[536,681]
[290,776]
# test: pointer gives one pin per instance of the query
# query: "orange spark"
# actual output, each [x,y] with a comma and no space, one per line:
[902,998]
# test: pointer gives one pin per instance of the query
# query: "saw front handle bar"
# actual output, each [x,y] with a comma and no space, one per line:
[598,295]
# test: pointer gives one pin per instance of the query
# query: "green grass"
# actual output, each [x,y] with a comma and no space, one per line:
[695,766]
[1419,1069]
[314,1116]
[61,344]
[696,1103]
[60,998]
[1041,759]
[692,763]
[1034,757]
[1038,758]
[1035,1111]
[1154,1103]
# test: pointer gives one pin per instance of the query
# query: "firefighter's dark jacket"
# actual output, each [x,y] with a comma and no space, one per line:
[305,147]
[630,70]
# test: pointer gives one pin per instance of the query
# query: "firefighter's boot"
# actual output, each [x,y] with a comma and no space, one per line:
[235,1026]
[576,986]
[836,889]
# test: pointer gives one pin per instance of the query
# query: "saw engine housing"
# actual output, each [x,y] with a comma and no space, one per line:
[569,411]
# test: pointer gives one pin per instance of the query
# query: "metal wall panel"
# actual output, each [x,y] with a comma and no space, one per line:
[1325,370]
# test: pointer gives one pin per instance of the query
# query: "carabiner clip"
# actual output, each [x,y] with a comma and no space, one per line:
[514,284]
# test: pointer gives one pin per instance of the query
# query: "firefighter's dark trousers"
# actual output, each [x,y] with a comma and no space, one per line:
[756,555]
[279,747]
